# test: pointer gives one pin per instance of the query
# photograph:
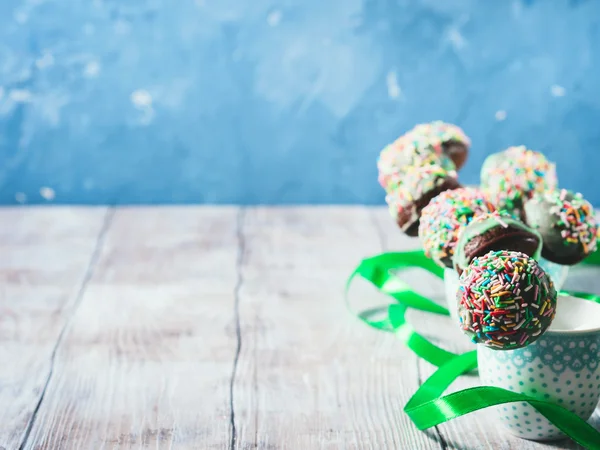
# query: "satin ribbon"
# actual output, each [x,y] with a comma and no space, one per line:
[593,259]
[379,271]
[427,407]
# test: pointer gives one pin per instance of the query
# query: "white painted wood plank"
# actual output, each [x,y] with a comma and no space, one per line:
[477,430]
[148,357]
[309,374]
[147,361]
[45,253]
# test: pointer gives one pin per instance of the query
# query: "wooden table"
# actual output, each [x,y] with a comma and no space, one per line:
[210,327]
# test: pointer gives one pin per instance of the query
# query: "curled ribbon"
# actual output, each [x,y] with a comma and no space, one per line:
[428,407]
[378,271]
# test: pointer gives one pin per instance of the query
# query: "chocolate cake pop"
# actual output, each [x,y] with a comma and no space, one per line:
[495,231]
[566,223]
[514,175]
[447,139]
[505,300]
[445,217]
[419,184]
[409,150]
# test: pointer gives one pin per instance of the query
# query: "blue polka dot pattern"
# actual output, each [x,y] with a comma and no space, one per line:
[555,368]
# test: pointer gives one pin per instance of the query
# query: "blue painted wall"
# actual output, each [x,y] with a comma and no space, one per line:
[289,101]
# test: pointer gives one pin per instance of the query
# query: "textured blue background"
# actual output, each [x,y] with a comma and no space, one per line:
[239,101]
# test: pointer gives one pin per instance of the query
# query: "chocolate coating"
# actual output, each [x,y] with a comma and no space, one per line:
[500,238]
[510,238]
[567,224]
[456,151]
[514,175]
[495,231]
[408,219]
[408,150]
[444,219]
[505,300]
[448,139]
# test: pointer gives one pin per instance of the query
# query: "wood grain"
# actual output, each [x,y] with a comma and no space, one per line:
[147,360]
[309,374]
[207,327]
[45,254]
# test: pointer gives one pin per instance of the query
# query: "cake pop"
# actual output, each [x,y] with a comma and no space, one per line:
[447,139]
[409,150]
[505,300]
[495,231]
[419,184]
[445,217]
[566,223]
[514,175]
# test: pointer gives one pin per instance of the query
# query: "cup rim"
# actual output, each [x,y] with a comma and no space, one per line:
[588,331]
[448,272]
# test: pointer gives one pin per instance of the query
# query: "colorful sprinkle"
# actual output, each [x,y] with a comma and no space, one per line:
[529,240]
[439,132]
[514,175]
[406,151]
[445,217]
[500,308]
[415,182]
[566,222]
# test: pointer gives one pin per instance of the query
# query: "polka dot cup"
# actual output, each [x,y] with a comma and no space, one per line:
[563,366]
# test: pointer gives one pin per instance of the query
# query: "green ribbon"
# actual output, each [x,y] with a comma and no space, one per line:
[593,259]
[427,407]
[379,269]
[395,321]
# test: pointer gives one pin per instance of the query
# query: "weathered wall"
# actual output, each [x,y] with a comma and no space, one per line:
[261,101]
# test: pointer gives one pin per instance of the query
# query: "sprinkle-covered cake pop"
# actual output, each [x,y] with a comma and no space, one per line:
[514,175]
[409,150]
[447,139]
[495,231]
[445,217]
[505,300]
[567,224]
[418,186]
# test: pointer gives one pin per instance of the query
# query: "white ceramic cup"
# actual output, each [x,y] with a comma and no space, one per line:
[557,273]
[562,366]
